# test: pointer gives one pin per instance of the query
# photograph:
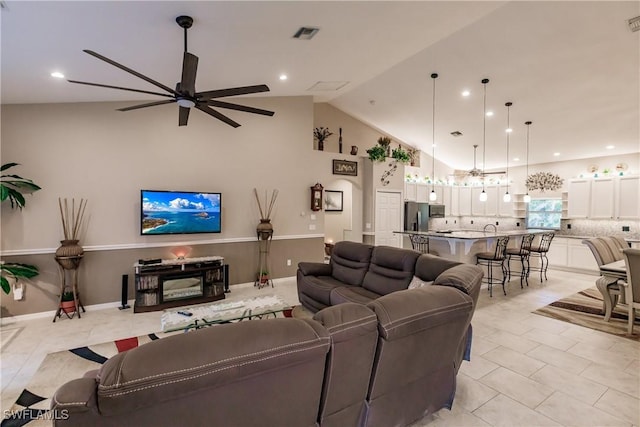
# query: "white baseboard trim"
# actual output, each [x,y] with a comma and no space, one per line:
[6,321]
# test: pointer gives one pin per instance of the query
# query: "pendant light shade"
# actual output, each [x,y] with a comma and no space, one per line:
[483,195]
[433,196]
[527,197]
[507,197]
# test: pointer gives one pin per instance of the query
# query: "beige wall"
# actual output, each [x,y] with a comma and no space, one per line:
[91,151]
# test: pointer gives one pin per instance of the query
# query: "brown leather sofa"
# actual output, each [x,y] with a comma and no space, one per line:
[385,363]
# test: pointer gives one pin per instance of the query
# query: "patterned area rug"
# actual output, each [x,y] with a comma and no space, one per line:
[585,309]
[32,406]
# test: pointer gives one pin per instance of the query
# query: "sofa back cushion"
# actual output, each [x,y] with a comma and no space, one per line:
[428,266]
[250,358]
[391,269]
[350,262]
[354,335]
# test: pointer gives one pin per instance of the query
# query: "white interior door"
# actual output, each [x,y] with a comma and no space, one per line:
[388,218]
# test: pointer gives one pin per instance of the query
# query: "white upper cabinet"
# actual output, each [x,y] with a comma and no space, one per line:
[464,201]
[455,201]
[628,197]
[602,190]
[579,198]
[604,198]
[410,191]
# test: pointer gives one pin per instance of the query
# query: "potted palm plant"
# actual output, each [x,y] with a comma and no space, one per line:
[12,188]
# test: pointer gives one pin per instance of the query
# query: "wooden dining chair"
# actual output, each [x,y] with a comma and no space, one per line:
[605,251]
[631,286]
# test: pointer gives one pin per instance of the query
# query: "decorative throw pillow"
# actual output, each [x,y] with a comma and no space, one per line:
[417,282]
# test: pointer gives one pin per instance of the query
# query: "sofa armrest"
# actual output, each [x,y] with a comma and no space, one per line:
[314,268]
[74,397]
[464,277]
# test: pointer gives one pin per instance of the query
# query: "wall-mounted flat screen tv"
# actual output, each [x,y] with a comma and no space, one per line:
[180,212]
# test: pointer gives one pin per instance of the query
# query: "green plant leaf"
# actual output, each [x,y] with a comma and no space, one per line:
[8,165]
[4,193]
[6,287]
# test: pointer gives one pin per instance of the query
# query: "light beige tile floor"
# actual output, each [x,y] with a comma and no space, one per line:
[525,370]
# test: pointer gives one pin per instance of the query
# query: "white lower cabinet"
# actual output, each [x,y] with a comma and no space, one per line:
[571,253]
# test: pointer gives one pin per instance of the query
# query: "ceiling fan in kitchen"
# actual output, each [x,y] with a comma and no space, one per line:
[185,94]
[475,172]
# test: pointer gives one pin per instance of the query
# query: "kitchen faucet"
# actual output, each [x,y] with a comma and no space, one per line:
[495,229]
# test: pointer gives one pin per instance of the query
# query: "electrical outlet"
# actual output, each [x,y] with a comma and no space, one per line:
[313,217]
[288,263]
[568,226]
[455,221]
[312,227]
[446,221]
[625,228]
[471,221]
[497,223]
[517,224]
[367,225]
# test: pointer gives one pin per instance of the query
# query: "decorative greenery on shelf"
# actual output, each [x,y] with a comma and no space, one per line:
[384,142]
[377,153]
[544,181]
[13,187]
[401,155]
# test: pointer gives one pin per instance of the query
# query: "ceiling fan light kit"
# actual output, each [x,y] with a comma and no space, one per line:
[185,94]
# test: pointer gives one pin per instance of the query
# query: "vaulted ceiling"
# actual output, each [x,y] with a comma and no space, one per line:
[572,68]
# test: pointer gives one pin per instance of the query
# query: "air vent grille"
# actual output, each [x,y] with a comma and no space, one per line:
[306,33]
[634,24]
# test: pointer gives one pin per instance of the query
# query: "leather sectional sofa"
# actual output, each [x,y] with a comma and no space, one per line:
[386,363]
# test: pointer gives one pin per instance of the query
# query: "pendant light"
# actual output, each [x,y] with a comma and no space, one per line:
[483,195]
[433,196]
[507,197]
[527,197]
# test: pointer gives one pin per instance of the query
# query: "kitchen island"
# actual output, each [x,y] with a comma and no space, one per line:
[463,245]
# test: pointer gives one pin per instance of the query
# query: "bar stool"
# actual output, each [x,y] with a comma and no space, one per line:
[540,250]
[419,243]
[494,258]
[523,253]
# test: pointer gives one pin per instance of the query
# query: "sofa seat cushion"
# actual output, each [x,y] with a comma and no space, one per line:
[391,270]
[319,288]
[352,294]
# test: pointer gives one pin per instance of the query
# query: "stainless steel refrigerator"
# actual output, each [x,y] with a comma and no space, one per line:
[416,216]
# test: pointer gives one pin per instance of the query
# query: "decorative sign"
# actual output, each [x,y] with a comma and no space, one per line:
[345,167]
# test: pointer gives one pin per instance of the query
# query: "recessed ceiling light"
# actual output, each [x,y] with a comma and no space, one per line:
[556,154]
[57,75]
[610,147]
[466,93]
[516,159]
[283,77]
[489,113]
[508,130]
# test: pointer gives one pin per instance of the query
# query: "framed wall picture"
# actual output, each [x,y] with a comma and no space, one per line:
[333,201]
[345,167]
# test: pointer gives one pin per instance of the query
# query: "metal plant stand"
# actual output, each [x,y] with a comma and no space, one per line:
[69,267]
[264,245]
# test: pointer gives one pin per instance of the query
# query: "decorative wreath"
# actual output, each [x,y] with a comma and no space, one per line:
[544,181]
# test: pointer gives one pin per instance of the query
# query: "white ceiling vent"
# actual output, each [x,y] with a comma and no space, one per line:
[306,33]
[634,24]
[327,86]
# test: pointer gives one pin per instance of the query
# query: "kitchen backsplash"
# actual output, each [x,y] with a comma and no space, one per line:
[569,227]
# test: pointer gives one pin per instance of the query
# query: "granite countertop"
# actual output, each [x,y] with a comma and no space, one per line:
[471,234]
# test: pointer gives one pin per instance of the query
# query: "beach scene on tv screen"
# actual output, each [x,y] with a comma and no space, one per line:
[166,212]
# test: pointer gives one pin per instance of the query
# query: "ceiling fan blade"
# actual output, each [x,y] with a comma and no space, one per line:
[228,105]
[494,173]
[150,104]
[210,111]
[121,88]
[243,90]
[183,116]
[189,69]
[129,70]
